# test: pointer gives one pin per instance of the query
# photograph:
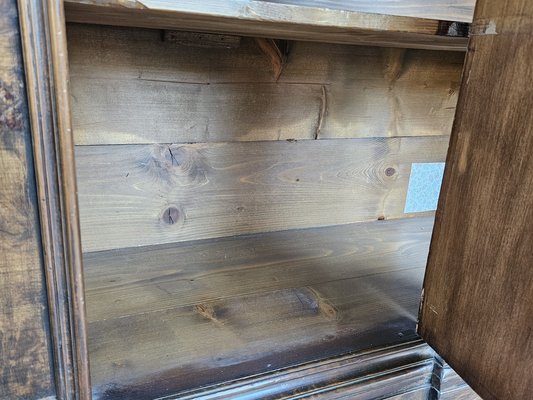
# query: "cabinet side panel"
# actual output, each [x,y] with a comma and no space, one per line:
[478,298]
[25,366]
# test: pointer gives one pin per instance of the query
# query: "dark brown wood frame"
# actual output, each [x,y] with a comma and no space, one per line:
[46,67]
[478,298]
[394,370]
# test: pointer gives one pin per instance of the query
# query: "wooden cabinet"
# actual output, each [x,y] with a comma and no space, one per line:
[217,199]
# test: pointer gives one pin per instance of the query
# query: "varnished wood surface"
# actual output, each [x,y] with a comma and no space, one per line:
[130,86]
[25,360]
[46,72]
[390,372]
[399,372]
[448,10]
[132,281]
[451,386]
[408,371]
[153,194]
[272,20]
[478,298]
[175,317]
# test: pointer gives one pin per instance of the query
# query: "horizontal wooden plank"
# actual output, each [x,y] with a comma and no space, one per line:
[265,19]
[152,194]
[188,347]
[131,281]
[129,86]
[123,111]
[348,314]
[119,52]
[203,312]
[450,10]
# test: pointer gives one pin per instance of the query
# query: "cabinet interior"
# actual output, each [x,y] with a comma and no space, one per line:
[243,201]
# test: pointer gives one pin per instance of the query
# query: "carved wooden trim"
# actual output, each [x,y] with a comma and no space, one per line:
[394,370]
[46,67]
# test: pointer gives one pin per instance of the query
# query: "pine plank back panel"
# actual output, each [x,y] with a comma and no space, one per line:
[131,86]
[134,195]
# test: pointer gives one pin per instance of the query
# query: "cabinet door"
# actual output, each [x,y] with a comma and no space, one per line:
[477,307]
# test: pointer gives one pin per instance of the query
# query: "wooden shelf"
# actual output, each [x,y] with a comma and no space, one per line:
[446,10]
[202,312]
[279,20]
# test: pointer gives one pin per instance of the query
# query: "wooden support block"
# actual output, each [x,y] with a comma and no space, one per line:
[200,39]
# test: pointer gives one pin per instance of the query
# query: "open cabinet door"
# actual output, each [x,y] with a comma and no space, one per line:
[477,308]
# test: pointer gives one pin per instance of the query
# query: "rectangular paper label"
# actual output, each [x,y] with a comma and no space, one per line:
[424,187]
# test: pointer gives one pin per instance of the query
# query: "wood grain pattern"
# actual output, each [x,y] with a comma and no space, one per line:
[478,298]
[452,386]
[25,363]
[153,194]
[121,111]
[396,372]
[224,305]
[240,336]
[129,86]
[132,281]
[271,20]
[449,10]
[46,71]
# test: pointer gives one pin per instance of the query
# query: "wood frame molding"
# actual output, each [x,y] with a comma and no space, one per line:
[410,370]
[46,68]
[393,370]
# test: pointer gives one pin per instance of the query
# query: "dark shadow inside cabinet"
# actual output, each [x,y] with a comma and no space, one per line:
[243,201]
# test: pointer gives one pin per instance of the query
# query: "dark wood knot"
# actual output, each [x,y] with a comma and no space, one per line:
[390,171]
[171,215]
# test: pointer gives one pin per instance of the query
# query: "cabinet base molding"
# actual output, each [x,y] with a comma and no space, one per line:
[410,370]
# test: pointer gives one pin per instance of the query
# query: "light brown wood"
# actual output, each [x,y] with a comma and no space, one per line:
[134,281]
[271,20]
[128,86]
[450,10]
[251,304]
[25,362]
[478,298]
[153,194]
[276,51]
[129,111]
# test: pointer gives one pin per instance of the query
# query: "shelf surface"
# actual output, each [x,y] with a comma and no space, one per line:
[446,10]
[288,21]
[168,318]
